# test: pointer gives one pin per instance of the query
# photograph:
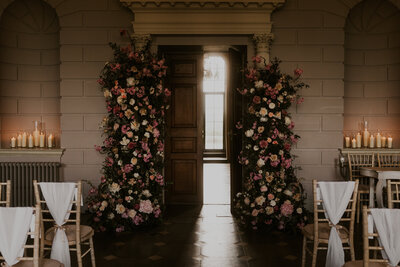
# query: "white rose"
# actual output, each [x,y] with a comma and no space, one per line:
[146,193]
[299,210]
[125,141]
[260,200]
[259,84]
[288,120]
[145,122]
[111,216]
[280,98]
[288,192]
[107,93]
[272,203]
[249,133]
[130,81]
[263,112]
[260,163]
[132,102]
[132,213]
[256,148]
[147,134]
[120,162]
[120,208]
[271,105]
[114,187]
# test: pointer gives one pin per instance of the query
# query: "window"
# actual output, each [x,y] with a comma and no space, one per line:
[214,84]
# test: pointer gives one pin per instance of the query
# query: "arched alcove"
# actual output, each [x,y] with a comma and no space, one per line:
[29,68]
[372,68]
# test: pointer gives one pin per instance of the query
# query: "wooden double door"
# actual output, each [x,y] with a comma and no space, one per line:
[184,146]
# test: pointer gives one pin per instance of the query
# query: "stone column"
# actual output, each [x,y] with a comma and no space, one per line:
[141,41]
[263,42]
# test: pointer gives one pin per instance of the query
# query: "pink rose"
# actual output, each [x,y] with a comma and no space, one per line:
[286,209]
[146,206]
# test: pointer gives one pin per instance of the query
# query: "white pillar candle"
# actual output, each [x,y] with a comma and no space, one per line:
[36,137]
[13,140]
[23,142]
[372,141]
[358,139]
[50,141]
[30,141]
[347,141]
[19,140]
[383,139]
[378,140]
[41,140]
[353,142]
[390,142]
[366,138]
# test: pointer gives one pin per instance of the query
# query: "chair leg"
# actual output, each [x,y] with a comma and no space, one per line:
[352,254]
[79,254]
[92,252]
[314,254]
[304,254]
[358,207]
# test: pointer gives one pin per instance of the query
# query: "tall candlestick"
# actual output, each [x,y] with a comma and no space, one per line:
[41,140]
[347,141]
[30,141]
[372,141]
[378,140]
[383,139]
[19,140]
[23,142]
[358,139]
[36,134]
[50,141]
[366,134]
[390,142]
[13,142]
[353,142]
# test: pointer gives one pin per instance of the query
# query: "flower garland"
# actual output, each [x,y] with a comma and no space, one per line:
[273,196]
[130,192]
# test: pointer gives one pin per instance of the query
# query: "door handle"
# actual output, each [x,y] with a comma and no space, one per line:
[202,134]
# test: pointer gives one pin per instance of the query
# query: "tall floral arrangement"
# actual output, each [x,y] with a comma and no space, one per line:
[130,192]
[273,196]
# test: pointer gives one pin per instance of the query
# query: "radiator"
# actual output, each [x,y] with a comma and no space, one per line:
[22,175]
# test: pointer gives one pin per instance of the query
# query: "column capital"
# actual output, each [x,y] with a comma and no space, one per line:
[141,41]
[263,43]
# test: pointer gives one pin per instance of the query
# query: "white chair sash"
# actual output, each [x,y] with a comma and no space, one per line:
[58,197]
[14,226]
[335,197]
[387,225]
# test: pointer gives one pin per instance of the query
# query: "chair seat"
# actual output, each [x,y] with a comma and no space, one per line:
[324,231]
[44,263]
[70,230]
[361,264]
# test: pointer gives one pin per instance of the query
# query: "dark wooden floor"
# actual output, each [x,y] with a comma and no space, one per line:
[201,236]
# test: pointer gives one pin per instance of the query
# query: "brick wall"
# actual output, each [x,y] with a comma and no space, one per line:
[372,63]
[29,68]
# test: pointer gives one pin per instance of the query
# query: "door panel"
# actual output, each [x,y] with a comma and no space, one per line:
[184,141]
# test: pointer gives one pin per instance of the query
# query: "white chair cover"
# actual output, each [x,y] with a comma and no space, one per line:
[14,226]
[388,227]
[335,198]
[58,197]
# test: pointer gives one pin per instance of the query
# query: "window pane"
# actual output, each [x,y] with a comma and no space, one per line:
[214,74]
[214,107]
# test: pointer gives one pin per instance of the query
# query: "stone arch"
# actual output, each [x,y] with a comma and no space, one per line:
[30,68]
[372,63]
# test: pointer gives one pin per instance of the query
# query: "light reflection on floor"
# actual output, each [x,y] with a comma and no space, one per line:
[216,179]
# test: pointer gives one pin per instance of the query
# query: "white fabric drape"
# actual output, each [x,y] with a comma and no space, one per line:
[388,227]
[335,197]
[58,197]
[14,226]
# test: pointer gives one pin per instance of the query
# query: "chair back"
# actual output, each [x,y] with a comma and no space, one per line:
[393,191]
[5,193]
[389,160]
[31,252]
[74,211]
[370,240]
[348,217]
[357,160]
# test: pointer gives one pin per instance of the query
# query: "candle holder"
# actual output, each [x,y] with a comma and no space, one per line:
[36,134]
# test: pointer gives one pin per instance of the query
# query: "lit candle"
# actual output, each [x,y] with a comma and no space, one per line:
[13,141]
[383,139]
[19,140]
[390,142]
[378,140]
[50,141]
[36,137]
[23,140]
[41,140]
[366,134]
[353,142]
[372,141]
[358,139]
[30,141]
[347,141]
